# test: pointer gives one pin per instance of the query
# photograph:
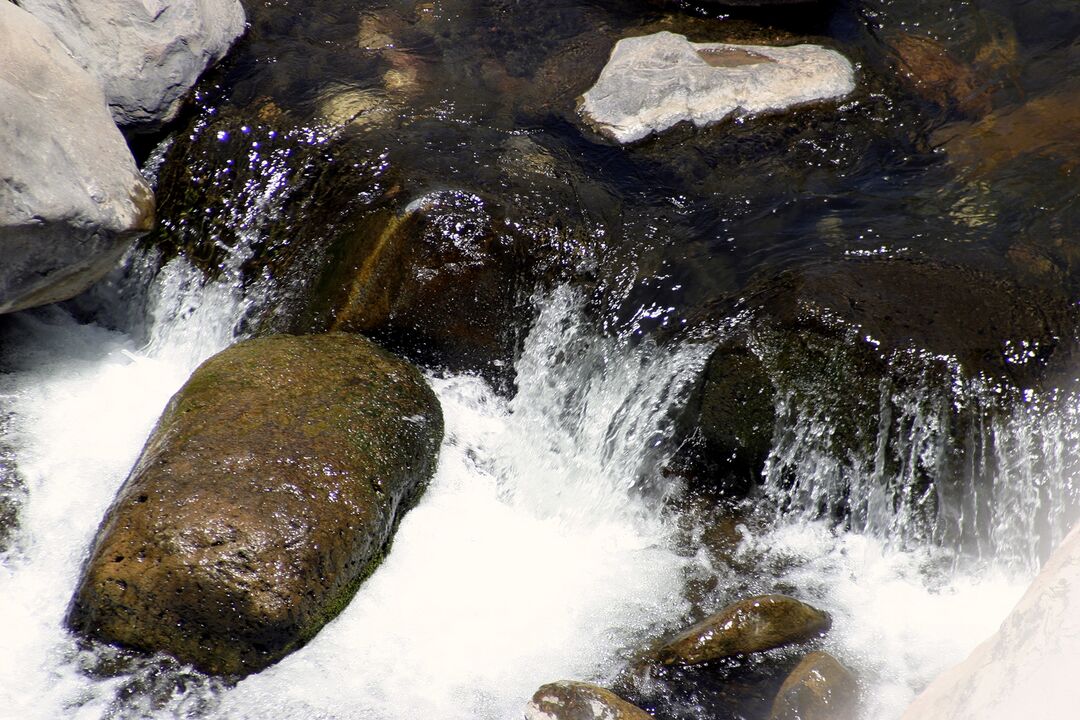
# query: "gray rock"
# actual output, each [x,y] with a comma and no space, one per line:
[570,700]
[71,198]
[146,53]
[653,82]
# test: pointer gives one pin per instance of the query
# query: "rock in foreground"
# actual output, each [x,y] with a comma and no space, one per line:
[654,82]
[146,53]
[1028,667]
[819,688]
[268,491]
[751,625]
[71,198]
[569,700]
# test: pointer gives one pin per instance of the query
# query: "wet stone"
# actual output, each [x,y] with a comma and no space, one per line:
[819,688]
[270,489]
[570,700]
[748,626]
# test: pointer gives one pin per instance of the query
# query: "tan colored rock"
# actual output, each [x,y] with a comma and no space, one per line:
[1027,669]
[570,700]
[751,625]
[269,490]
[930,71]
[819,688]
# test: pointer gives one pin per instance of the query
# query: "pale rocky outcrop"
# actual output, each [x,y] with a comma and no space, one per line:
[71,198]
[146,53]
[571,700]
[269,490]
[1027,669]
[653,82]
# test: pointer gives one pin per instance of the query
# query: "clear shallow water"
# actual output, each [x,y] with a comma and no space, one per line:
[541,550]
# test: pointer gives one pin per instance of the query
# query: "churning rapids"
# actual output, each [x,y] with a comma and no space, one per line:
[541,551]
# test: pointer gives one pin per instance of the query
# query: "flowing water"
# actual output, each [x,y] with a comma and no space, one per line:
[541,551]
[551,543]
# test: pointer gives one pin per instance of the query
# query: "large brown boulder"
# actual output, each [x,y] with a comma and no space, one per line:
[269,490]
[751,625]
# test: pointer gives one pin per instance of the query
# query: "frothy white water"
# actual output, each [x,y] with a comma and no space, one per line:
[532,557]
[82,400]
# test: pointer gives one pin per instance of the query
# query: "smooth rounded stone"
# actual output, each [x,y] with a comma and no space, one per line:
[146,53]
[71,197]
[930,71]
[819,688]
[654,82]
[751,625]
[269,490]
[1028,667]
[570,700]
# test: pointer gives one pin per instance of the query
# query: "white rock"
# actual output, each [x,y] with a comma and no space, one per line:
[1028,668]
[71,198]
[146,53]
[651,83]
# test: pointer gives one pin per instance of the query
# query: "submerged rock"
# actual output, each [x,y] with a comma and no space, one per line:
[269,490]
[654,82]
[146,53]
[71,198]
[570,700]
[819,688]
[751,625]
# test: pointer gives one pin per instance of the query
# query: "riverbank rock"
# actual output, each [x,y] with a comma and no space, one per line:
[1028,667]
[269,490]
[71,198]
[929,70]
[146,53]
[819,688]
[570,700]
[751,625]
[654,82]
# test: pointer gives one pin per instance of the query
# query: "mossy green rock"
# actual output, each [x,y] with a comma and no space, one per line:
[751,625]
[819,688]
[269,490]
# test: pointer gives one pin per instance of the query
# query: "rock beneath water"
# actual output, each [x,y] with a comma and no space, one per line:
[654,82]
[569,700]
[751,625]
[71,198]
[930,71]
[819,688]
[146,53]
[269,490]
[437,282]
[1028,667]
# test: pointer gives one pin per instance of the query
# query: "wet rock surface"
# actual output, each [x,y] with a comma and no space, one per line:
[654,82]
[819,688]
[748,626]
[269,490]
[147,54]
[71,199]
[569,700]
